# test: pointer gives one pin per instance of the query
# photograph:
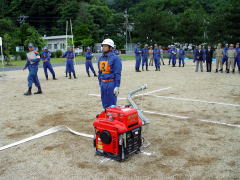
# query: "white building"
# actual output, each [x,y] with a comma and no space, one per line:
[55,43]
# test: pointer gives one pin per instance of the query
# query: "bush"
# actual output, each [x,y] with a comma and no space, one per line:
[58,53]
[53,54]
[22,55]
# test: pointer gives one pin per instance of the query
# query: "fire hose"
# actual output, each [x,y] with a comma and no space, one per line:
[65,128]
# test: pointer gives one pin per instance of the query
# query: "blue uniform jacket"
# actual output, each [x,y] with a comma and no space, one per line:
[144,52]
[33,62]
[238,53]
[46,55]
[88,55]
[181,53]
[173,51]
[137,51]
[115,51]
[156,52]
[110,67]
[69,55]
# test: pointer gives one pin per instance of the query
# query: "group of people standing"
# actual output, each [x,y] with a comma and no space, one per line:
[155,54]
[109,69]
[229,56]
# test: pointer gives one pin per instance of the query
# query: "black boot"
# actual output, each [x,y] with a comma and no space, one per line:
[179,65]
[29,92]
[217,70]
[54,78]
[227,70]
[233,71]
[66,75]
[39,90]
[88,74]
[147,68]
[183,65]
[95,74]
[158,68]
[138,70]
[46,77]
[74,75]
[70,76]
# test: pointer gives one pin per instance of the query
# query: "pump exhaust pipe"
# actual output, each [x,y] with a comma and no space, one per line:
[140,114]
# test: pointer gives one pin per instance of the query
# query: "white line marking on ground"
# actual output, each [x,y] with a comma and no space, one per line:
[144,94]
[185,117]
[196,100]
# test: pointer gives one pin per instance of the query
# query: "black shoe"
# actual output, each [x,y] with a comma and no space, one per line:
[179,65]
[147,68]
[39,91]
[46,77]
[95,75]
[183,65]
[156,69]
[138,70]
[227,70]
[74,75]
[70,76]
[88,75]
[54,78]
[29,92]
[233,71]
[216,71]
[66,75]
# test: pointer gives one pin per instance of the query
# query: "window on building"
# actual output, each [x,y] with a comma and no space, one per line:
[55,46]
[50,46]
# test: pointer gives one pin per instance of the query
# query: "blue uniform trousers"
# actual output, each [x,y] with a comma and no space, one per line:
[107,96]
[32,76]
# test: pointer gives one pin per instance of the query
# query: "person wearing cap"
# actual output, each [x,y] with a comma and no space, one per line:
[109,74]
[145,54]
[115,51]
[225,58]
[45,56]
[32,62]
[138,53]
[88,63]
[181,54]
[156,56]
[151,56]
[219,53]
[237,59]
[69,55]
[209,56]
[231,55]
[173,56]
[161,57]
[199,58]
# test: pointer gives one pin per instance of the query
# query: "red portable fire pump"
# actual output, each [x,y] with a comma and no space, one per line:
[118,132]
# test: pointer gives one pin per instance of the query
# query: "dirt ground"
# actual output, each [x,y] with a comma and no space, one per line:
[180,148]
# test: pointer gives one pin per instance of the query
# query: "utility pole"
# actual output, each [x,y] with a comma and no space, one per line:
[126,26]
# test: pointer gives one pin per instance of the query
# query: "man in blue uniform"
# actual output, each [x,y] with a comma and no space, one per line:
[225,58]
[115,51]
[173,56]
[88,62]
[181,55]
[45,56]
[138,53]
[145,54]
[110,68]
[69,54]
[32,62]
[156,57]
[237,59]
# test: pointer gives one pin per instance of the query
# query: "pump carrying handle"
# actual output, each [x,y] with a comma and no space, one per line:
[134,105]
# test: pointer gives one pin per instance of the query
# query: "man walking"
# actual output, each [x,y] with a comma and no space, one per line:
[32,63]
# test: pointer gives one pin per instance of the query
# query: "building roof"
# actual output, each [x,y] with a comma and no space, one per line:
[57,37]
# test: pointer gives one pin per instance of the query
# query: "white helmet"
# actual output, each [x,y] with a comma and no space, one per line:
[108,42]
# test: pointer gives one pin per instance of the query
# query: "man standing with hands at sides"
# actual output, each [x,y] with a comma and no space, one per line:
[199,58]
[151,56]
[225,58]
[88,62]
[69,54]
[145,54]
[45,56]
[181,54]
[156,56]
[138,53]
[174,56]
[161,57]
[110,68]
[219,56]
[33,59]
[209,56]
[231,55]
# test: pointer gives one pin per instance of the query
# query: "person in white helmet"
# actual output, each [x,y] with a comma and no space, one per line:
[109,74]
